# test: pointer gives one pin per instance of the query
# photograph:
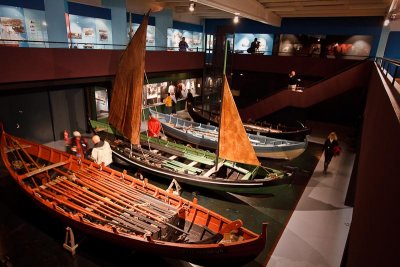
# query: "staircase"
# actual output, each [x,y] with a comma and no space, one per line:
[349,79]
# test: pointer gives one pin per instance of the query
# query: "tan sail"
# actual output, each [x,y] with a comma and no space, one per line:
[126,101]
[234,144]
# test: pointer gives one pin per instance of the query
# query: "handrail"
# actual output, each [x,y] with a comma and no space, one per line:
[386,63]
[5,42]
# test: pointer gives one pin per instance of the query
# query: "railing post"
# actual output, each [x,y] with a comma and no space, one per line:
[394,75]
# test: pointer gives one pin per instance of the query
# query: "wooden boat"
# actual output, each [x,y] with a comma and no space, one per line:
[207,136]
[192,166]
[117,207]
[274,131]
[159,158]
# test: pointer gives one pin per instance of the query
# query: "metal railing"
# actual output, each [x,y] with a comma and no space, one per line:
[390,66]
[83,45]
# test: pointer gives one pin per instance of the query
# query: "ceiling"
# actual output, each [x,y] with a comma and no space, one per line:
[266,11]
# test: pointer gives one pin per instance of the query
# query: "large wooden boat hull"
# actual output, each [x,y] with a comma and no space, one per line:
[249,186]
[88,220]
[263,146]
[281,132]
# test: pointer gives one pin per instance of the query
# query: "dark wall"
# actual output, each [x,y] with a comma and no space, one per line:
[42,114]
[375,231]
[393,45]
[27,115]
[68,107]
[322,26]
[38,64]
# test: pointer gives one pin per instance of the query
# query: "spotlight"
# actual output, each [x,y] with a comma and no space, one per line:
[192,6]
[236,19]
[386,22]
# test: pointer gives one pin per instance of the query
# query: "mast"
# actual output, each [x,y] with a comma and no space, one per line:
[222,102]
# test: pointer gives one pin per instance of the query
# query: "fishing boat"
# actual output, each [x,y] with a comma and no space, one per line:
[278,131]
[192,166]
[163,159]
[117,207]
[206,136]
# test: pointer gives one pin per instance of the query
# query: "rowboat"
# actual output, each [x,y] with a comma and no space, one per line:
[207,136]
[191,166]
[117,207]
[275,131]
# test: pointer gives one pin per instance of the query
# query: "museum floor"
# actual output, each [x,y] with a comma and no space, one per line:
[315,235]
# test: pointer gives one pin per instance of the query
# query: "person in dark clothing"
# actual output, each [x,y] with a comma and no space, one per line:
[293,80]
[330,149]
[183,46]
[78,145]
[253,46]
[189,99]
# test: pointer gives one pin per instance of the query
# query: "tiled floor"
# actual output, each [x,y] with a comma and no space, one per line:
[317,231]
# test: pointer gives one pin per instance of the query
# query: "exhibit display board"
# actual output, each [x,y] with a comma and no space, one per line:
[244,40]
[193,39]
[327,46]
[22,24]
[87,32]
[155,92]
[150,35]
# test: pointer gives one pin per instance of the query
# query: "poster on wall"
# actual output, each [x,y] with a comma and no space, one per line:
[193,39]
[87,32]
[329,46]
[244,40]
[36,27]
[101,98]
[150,35]
[12,26]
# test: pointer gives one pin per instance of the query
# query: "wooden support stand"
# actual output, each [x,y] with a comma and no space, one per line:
[178,188]
[69,243]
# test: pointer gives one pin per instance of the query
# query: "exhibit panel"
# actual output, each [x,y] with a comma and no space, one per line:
[193,39]
[243,42]
[19,24]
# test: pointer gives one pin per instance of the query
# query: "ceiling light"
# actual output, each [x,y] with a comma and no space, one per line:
[192,6]
[236,19]
[386,22]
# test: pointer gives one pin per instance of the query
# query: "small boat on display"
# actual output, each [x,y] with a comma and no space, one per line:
[192,166]
[107,204]
[276,131]
[206,136]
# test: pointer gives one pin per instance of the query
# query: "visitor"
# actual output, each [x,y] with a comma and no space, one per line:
[77,146]
[168,104]
[101,151]
[331,148]
[293,80]
[253,46]
[153,126]
[183,46]
[189,98]
[173,103]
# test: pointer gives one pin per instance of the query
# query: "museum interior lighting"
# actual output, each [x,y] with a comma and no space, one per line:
[386,22]
[192,6]
[236,19]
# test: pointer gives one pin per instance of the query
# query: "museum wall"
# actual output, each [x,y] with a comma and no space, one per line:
[37,64]
[375,231]
[313,26]
[393,45]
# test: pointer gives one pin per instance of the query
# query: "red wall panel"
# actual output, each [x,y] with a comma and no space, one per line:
[39,64]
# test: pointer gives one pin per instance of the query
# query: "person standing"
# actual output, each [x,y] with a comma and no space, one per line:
[183,46]
[101,152]
[293,80]
[331,148]
[168,104]
[78,145]
[153,126]
[253,46]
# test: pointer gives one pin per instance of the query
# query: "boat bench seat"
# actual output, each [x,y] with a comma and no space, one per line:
[177,168]
[185,166]
[200,159]
[247,176]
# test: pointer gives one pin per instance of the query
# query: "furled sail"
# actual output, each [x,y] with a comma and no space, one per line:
[234,144]
[126,101]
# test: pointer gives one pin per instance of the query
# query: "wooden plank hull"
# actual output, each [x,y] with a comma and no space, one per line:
[284,132]
[85,179]
[263,183]
[207,136]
